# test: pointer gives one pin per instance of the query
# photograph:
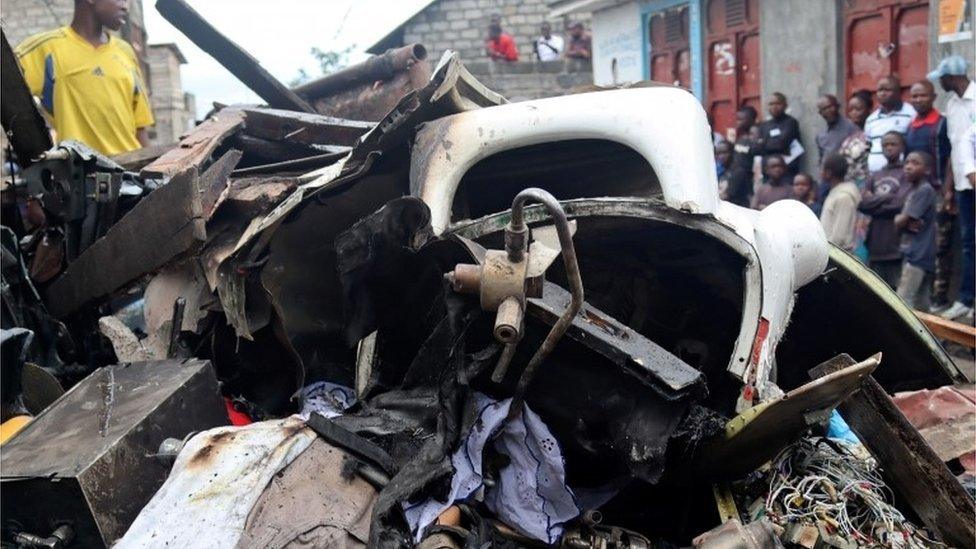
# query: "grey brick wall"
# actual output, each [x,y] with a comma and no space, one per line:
[174,110]
[462,26]
[533,79]
[22,18]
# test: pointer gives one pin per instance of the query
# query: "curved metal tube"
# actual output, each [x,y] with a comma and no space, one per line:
[517,224]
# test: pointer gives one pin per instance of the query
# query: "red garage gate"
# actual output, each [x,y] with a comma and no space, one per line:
[670,53]
[733,57]
[885,37]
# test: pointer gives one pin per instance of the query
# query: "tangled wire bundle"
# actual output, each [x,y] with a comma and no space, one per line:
[820,482]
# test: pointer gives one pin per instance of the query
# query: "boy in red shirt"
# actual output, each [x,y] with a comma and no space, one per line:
[500,46]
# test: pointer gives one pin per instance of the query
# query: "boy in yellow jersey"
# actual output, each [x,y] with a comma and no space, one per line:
[88,80]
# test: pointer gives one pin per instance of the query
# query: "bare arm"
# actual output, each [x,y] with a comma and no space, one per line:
[901,221]
[142,134]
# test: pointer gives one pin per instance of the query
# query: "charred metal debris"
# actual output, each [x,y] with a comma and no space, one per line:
[389,308]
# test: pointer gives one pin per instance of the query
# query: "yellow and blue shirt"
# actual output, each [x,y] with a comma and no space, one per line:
[95,94]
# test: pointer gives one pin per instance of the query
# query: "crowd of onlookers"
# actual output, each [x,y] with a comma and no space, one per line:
[894,184]
[500,46]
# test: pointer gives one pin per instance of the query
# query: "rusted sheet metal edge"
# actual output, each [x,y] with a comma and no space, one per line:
[195,149]
[166,224]
[303,128]
[413,109]
[216,179]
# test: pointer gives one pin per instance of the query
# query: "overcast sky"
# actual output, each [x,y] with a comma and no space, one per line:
[279,34]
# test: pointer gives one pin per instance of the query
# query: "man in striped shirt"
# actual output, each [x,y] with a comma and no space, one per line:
[892,114]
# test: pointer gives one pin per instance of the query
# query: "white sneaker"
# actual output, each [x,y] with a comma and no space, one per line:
[955,311]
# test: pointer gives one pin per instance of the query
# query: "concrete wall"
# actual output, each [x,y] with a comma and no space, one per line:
[617,37]
[802,57]
[462,26]
[533,79]
[174,117]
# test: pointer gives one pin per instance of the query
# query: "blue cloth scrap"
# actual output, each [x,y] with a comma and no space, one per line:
[838,428]
[530,494]
[327,399]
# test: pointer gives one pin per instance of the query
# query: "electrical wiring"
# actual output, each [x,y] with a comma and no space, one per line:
[820,482]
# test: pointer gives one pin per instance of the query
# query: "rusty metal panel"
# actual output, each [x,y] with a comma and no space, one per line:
[750,71]
[722,100]
[670,54]
[88,458]
[912,52]
[867,37]
[885,37]
[733,67]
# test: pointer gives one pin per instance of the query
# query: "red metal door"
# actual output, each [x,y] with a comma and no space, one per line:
[670,53]
[732,46]
[885,37]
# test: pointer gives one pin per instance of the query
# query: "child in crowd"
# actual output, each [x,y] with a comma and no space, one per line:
[917,225]
[882,198]
[805,191]
[778,184]
[723,160]
[840,206]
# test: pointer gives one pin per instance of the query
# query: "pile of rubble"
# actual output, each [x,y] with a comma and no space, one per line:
[392,309]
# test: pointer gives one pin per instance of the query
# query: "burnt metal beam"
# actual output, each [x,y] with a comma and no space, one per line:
[908,463]
[378,67]
[196,149]
[230,55]
[19,115]
[620,344]
[303,128]
[167,223]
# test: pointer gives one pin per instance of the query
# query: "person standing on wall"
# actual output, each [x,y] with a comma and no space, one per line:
[960,116]
[88,80]
[580,43]
[892,115]
[548,46]
[500,46]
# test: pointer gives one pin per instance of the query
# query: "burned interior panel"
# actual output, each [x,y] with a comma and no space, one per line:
[829,314]
[679,287]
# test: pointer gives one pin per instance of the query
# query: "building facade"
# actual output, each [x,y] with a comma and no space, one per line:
[737,52]
[462,26]
[173,108]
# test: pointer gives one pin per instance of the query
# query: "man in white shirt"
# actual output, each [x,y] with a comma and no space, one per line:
[960,116]
[548,47]
[892,115]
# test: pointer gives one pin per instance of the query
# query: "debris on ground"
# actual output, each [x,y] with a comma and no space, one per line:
[390,308]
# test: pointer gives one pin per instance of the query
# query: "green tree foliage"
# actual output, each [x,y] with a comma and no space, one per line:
[329,61]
